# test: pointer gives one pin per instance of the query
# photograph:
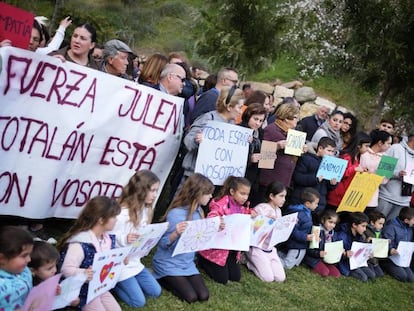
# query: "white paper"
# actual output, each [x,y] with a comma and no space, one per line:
[70,289]
[316,230]
[197,236]
[405,252]
[333,251]
[106,271]
[380,247]
[361,253]
[148,237]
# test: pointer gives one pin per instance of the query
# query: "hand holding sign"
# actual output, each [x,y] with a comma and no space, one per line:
[295,142]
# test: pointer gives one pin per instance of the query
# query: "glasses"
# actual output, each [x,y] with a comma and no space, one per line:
[179,77]
[234,81]
[230,94]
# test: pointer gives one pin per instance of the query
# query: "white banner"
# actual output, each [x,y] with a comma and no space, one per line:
[69,133]
[223,151]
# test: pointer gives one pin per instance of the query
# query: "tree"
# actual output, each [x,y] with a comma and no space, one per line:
[237,33]
[381,41]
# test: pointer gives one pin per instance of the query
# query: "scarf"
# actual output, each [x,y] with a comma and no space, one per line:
[280,124]
[331,133]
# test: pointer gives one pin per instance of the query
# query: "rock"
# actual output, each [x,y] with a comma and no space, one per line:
[282,92]
[305,94]
[319,101]
[292,84]
[264,87]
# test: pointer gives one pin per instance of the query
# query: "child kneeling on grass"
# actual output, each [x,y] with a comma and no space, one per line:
[314,256]
[397,230]
[265,263]
[301,234]
[354,232]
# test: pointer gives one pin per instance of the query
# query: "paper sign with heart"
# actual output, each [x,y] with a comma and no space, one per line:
[105,271]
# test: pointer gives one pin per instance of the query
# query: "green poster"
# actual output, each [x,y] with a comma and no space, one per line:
[386,166]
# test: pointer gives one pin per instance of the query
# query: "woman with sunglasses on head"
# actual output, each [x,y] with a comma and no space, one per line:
[228,108]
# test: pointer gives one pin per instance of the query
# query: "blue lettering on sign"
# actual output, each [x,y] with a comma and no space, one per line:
[220,172]
[239,138]
[222,154]
[213,133]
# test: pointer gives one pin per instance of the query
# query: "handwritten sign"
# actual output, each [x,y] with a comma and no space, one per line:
[359,192]
[69,133]
[268,154]
[106,271]
[16,25]
[223,151]
[409,178]
[41,296]
[386,166]
[332,167]
[295,141]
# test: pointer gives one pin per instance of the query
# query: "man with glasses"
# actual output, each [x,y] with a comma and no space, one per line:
[227,76]
[172,79]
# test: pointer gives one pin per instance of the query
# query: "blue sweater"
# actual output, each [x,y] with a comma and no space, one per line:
[163,263]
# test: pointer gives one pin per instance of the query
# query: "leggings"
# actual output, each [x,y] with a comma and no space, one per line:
[189,288]
[222,274]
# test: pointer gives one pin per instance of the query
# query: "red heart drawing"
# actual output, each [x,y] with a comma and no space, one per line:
[105,271]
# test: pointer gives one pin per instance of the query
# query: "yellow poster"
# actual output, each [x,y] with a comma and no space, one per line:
[359,192]
[295,141]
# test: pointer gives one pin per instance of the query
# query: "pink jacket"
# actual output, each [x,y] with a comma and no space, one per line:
[225,206]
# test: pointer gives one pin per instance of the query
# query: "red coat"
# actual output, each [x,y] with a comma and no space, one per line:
[335,196]
[224,206]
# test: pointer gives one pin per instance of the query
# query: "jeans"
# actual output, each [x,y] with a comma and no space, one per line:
[133,290]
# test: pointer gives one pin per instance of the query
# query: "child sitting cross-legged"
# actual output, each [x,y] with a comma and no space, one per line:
[374,230]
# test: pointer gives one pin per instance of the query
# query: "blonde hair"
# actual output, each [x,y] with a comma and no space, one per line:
[152,68]
[286,111]
[229,97]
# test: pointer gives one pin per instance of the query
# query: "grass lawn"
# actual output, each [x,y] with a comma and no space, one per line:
[302,290]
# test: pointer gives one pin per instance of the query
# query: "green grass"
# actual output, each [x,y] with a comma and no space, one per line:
[302,290]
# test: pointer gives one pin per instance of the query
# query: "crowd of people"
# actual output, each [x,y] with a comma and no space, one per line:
[291,186]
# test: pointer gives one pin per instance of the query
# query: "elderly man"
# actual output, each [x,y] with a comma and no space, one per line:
[207,102]
[116,58]
[172,79]
[310,124]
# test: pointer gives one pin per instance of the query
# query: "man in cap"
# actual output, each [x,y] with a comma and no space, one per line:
[116,58]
